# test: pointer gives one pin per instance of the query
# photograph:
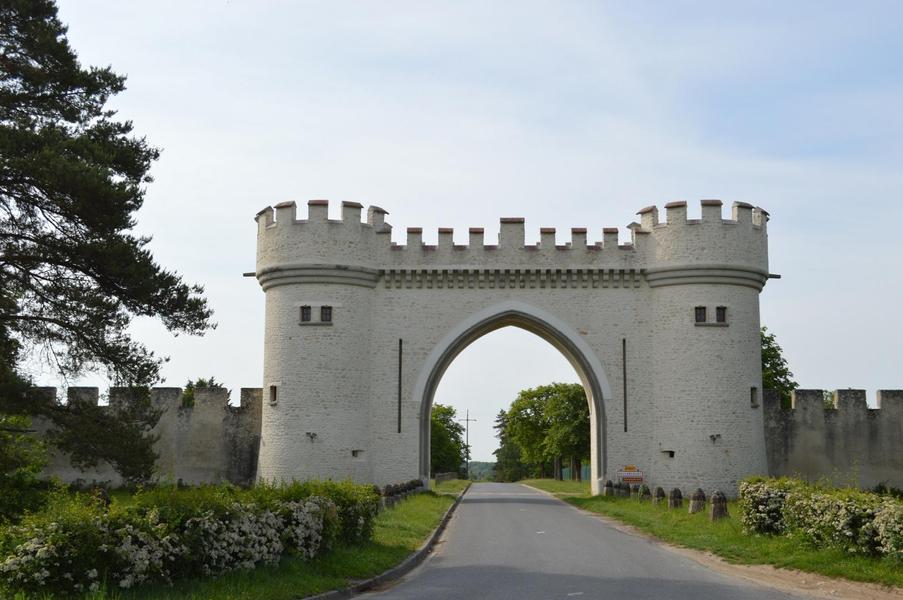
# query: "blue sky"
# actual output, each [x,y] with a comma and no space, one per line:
[566,113]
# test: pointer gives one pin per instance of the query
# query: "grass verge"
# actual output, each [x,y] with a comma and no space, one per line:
[560,488]
[399,531]
[453,486]
[726,538]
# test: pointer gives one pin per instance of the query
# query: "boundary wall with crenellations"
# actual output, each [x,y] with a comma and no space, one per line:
[830,436]
[836,437]
[207,442]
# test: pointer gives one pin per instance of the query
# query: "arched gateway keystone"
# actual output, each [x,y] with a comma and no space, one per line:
[663,331]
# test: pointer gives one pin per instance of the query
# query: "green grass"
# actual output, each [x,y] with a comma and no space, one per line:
[560,488]
[453,486]
[726,538]
[399,531]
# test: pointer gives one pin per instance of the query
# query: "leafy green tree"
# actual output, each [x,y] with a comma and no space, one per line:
[776,374]
[72,274]
[528,425]
[548,423]
[448,452]
[199,383]
[567,412]
[22,456]
[508,465]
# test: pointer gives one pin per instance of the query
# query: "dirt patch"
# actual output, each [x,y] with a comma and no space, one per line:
[791,581]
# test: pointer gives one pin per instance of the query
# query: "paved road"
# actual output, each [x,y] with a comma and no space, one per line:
[509,541]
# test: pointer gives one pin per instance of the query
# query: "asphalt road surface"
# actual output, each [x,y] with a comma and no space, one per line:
[509,541]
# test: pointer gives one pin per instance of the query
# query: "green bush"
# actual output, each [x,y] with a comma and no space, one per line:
[761,504]
[842,518]
[22,456]
[79,542]
[857,522]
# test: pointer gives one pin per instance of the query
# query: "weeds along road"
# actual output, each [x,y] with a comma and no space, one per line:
[509,541]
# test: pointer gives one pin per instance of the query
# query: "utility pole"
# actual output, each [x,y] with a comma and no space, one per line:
[467,421]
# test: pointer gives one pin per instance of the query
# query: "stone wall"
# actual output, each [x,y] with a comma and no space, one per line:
[835,436]
[825,436]
[205,443]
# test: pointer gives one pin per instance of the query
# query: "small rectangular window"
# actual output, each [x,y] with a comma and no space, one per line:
[326,314]
[721,314]
[700,314]
[754,397]
[273,394]
[305,313]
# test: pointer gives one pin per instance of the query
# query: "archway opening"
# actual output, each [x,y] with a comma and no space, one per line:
[559,335]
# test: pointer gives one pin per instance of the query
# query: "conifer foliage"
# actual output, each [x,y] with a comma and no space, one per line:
[72,176]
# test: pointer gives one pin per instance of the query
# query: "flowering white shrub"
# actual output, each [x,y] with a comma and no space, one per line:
[859,522]
[171,534]
[304,525]
[889,529]
[762,505]
[143,550]
[842,518]
[241,538]
[53,557]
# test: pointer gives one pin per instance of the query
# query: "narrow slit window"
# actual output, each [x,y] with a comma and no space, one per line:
[273,398]
[721,314]
[700,314]
[754,397]
[326,314]
[305,314]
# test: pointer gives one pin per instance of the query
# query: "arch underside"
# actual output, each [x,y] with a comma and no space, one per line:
[559,335]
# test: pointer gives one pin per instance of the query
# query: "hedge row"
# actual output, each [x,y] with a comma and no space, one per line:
[79,543]
[859,522]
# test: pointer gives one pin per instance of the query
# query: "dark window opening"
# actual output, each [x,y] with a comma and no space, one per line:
[721,314]
[700,314]
[754,397]
[326,314]
[670,453]
[356,453]
[305,313]
[272,394]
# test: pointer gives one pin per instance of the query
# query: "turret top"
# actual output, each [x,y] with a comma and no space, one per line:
[284,239]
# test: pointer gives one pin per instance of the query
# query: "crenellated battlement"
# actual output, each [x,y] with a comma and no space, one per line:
[846,400]
[671,251]
[209,441]
[160,397]
[836,436]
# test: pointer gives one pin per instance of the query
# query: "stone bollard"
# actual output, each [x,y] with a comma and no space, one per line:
[635,490]
[659,496]
[697,501]
[625,489]
[718,508]
[608,489]
[644,494]
[676,499]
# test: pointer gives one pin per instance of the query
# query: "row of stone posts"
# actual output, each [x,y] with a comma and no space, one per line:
[641,492]
[394,493]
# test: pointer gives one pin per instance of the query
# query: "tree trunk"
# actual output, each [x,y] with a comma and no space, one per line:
[557,468]
[579,470]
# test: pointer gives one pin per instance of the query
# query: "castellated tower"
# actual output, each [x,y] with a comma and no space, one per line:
[706,371]
[662,330]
